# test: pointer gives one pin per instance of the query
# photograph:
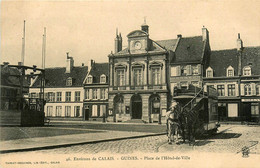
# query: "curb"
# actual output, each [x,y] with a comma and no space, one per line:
[75,144]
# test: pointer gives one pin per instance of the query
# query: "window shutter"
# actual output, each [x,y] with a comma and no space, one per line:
[236,89]
[90,94]
[253,88]
[106,94]
[178,70]
[242,89]
[98,93]
[199,69]
[189,69]
[53,96]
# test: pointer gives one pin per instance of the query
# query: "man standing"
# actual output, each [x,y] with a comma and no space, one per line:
[172,123]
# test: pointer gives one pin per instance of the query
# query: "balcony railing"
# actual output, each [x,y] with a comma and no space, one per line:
[137,87]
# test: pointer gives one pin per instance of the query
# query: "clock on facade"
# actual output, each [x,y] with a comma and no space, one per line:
[138,45]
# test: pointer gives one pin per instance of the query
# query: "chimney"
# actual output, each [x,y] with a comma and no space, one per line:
[239,54]
[179,36]
[239,43]
[70,63]
[118,42]
[90,64]
[145,27]
[205,34]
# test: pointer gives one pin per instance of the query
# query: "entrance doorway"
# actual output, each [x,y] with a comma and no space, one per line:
[86,111]
[136,102]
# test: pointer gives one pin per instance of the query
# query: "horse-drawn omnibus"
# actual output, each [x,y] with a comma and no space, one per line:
[198,111]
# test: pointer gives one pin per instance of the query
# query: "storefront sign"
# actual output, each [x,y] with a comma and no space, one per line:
[250,100]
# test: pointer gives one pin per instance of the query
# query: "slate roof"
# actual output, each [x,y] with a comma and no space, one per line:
[56,77]
[168,44]
[189,49]
[220,60]
[99,69]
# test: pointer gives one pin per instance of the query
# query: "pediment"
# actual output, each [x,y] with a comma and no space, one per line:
[137,33]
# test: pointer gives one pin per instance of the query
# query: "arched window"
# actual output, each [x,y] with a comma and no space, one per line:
[103,78]
[89,79]
[247,89]
[209,72]
[247,71]
[69,81]
[230,71]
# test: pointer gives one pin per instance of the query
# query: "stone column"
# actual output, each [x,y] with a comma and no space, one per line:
[145,110]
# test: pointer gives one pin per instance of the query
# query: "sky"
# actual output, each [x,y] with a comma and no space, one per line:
[86,29]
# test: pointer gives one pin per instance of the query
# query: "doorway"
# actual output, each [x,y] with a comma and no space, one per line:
[86,116]
[136,102]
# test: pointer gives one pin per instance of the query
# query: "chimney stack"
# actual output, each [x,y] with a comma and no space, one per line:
[70,63]
[118,42]
[179,36]
[205,34]
[239,43]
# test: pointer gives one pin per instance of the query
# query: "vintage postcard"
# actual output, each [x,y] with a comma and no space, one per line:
[130,83]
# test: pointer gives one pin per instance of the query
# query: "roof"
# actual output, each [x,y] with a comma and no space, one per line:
[229,57]
[8,80]
[168,44]
[56,77]
[189,49]
[99,69]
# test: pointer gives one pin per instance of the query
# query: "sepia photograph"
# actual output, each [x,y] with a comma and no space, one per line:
[132,83]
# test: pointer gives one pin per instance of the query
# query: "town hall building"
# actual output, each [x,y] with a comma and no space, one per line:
[140,79]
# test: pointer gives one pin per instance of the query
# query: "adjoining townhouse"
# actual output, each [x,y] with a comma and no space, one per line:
[64,92]
[96,92]
[189,62]
[140,83]
[235,74]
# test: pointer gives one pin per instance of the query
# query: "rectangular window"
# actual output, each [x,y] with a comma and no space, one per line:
[231,90]
[230,72]
[254,109]
[221,90]
[232,110]
[137,77]
[195,70]
[103,94]
[184,70]
[58,111]
[257,89]
[102,110]
[58,98]
[120,77]
[247,89]
[68,96]
[33,95]
[209,74]
[67,111]
[156,76]
[77,96]
[103,79]
[94,94]
[76,111]
[51,96]
[49,111]
[94,111]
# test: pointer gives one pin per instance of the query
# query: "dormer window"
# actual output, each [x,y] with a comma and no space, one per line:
[69,82]
[209,72]
[230,71]
[103,78]
[247,71]
[89,79]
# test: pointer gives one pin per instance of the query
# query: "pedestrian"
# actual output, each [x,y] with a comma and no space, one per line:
[172,123]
